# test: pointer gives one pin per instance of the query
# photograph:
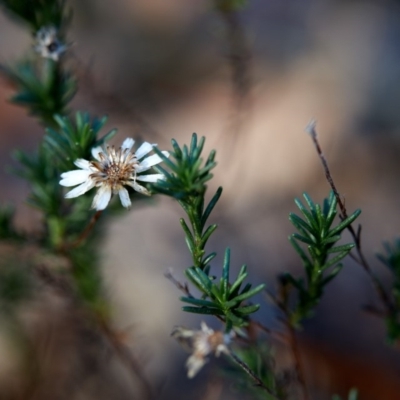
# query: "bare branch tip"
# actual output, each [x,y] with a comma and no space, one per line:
[310,128]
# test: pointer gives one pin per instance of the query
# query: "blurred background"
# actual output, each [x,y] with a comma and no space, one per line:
[164,69]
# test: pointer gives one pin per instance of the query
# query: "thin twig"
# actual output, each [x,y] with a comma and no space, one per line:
[297,359]
[361,260]
[292,342]
[183,287]
[274,334]
[126,356]
[87,230]
[248,370]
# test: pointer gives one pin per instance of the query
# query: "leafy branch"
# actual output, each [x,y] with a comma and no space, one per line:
[322,263]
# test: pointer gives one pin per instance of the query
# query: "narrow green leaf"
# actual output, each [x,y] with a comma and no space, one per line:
[301,225]
[332,209]
[163,171]
[250,293]
[193,144]
[194,277]
[210,230]
[234,289]
[230,304]
[320,217]
[202,310]
[336,259]
[211,158]
[344,224]
[297,283]
[186,207]
[199,149]
[107,137]
[199,302]
[185,154]
[237,321]
[309,217]
[306,261]
[206,168]
[311,205]
[332,275]
[217,294]
[311,240]
[166,160]
[206,269]
[331,239]
[225,274]
[247,309]
[188,236]
[177,149]
[207,280]
[209,258]
[345,247]
[211,205]
[317,255]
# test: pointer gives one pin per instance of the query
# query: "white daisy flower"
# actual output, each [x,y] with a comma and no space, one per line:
[47,43]
[111,171]
[201,343]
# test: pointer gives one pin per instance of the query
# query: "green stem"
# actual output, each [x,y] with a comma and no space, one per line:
[194,213]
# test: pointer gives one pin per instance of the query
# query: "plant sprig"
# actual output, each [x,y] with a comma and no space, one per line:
[43,88]
[391,258]
[223,299]
[73,139]
[322,263]
[186,182]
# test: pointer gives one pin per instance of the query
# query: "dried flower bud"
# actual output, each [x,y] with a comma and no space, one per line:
[201,343]
[47,43]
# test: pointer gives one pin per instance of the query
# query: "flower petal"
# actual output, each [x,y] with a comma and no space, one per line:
[144,149]
[124,197]
[127,143]
[150,177]
[148,162]
[96,151]
[75,177]
[102,198]
[194,364]
[81,189]
[139,188]
[81,163]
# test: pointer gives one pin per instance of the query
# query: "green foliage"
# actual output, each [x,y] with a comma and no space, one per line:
[15,284]
[63,221]
[187,178]
[7,230]
[186,182]
[223,299]
[37,13]
[391,259]
[322,263]
[75,139]
[40,171]
[259,359]
[353,395]
[42,87]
